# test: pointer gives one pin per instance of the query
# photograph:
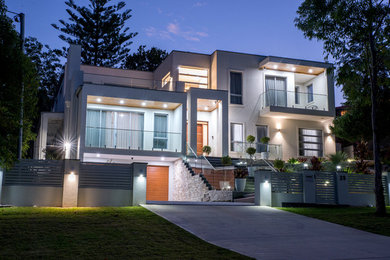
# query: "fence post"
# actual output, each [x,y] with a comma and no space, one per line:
[71,183]
[342,188]
[263,190]
[139,183]
[387,186]
[1,181]
[309,187]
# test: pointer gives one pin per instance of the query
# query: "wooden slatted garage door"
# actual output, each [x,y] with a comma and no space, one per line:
[157,183]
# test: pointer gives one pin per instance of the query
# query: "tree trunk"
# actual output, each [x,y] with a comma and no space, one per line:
[379,197]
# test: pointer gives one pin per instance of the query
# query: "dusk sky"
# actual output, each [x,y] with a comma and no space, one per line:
[256,27]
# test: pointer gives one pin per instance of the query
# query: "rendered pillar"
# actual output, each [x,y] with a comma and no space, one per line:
[263,190]
[342,188]
[139,183]
[309,187]
[71,183]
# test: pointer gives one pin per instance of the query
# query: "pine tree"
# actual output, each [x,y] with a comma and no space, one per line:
[145,60]
[100,30]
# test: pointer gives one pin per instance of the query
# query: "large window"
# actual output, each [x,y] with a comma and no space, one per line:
[109,129]
[193,77]
[297,95]
[262,131]
[235,88]
[160,138]
[276,91]
[310,97]
[236,137]
[310,142]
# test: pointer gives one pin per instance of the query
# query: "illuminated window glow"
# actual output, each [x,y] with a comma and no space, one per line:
[194,77]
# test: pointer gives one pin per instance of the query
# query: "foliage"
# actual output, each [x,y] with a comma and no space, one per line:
[293,161]
[356,34]
[338,157]
[226,160]
[302,159]
[100,30]
[240,173]
[15,64]
[361,154]
[145,60]
[265,140]
[250,151]
[279,164]
[250,139]
[316,164]
[206,149]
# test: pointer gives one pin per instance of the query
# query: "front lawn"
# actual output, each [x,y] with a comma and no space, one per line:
[98,233]
[362,218]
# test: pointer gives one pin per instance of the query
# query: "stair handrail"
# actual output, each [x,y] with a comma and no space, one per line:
[270,165]
[201,157]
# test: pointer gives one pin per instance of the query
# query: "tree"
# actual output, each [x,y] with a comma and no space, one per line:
[17,64]
[356,34]
[100,30]
[145,60]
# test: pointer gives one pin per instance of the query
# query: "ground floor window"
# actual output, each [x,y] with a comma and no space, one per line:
[262,131]
[310,142]
[236,137]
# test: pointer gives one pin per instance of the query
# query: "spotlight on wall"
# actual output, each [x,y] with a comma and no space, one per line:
[67,146]
[266,184]
[305,166]
[72,177]
[121,101]
[99,100]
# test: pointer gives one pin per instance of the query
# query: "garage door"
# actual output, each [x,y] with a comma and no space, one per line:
[157,183]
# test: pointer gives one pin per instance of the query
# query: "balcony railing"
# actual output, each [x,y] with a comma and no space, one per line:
[142,140]
[292,99]
[274,150]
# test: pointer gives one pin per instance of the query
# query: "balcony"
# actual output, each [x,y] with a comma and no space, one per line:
[274,150]
[126,139]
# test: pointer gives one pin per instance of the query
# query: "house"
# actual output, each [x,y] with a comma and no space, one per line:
[110,115]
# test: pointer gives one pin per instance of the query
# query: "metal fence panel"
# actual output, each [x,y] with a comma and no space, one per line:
[105,176]
[36,173]
[325,188]
[287,182]
[361,183]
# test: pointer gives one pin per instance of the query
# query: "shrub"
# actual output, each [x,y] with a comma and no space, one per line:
[279,164]
[338,157]
[240,173]
[293,161]
[251,151]
[265,140]
[250,139]
[226,160]
[206,149]
[302,159]
[316,164]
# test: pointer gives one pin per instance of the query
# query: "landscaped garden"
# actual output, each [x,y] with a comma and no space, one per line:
[98,233]
[362,218]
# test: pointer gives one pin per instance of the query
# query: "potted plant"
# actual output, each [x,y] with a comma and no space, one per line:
[265,140]
[226,161]
[206,150]
[240,175]
[251,152]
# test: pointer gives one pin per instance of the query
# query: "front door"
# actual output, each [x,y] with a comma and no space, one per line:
[201,136]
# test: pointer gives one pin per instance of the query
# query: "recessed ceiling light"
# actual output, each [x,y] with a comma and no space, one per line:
[121,115]
[98,155]
[162,158]
[99,100]
[294,69]
[143,103]
[206,108]
[121,101]
[310,71]
[165,106]
[275,67]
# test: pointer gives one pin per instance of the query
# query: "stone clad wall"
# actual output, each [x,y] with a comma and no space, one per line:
[187,187]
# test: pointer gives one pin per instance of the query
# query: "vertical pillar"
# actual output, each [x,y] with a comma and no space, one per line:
[342,188]
[388,185]
[1,181]
[71,183]
[309,187]
[263,190]
[192,120]
[225,127]
[139,183]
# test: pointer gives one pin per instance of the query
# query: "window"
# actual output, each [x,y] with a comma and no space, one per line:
[276,92]
[193,77]
[297,95]
[262,131]
[310,93]
[236,137]
[167,81]
[235,88]
[160,137]
[310,142]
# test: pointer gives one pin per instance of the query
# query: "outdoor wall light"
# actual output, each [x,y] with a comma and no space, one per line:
[266,184]
[72,177]
[67,146]
[121,101]
[338,167]
[305,165]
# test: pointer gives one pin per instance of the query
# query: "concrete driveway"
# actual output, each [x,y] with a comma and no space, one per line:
[267,233]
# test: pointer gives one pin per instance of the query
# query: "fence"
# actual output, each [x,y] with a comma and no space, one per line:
[72,183]
[279,188]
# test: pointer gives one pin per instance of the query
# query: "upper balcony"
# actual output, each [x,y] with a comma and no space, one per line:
[296,89]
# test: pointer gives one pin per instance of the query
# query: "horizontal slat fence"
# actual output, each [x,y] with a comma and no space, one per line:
[361,183]
[36,173]
[105,176]
[325,188]
[286,182]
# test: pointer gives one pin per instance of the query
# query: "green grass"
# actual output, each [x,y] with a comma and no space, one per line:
[98,233]
[356,217]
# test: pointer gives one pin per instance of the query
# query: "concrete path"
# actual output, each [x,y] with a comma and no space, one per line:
[267,233]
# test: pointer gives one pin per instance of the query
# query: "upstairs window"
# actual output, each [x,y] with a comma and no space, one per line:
[236,137]
[194,77]
[235,88]
[310,97]
[297,95]
[160,137]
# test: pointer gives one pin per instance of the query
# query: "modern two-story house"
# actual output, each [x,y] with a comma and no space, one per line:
[191,100]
